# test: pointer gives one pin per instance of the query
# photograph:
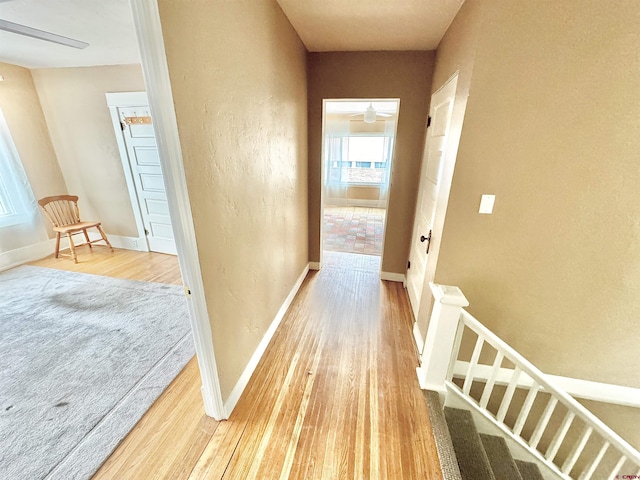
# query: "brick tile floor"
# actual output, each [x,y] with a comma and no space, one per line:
[354,230]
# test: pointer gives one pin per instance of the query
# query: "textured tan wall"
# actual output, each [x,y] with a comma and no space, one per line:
[74,104]
[404,75]
[238,74]
[21,106]
[456,54]
[551,129]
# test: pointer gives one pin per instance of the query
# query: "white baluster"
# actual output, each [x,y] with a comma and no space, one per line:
[526,408]
[441,335]
[488,388]
[508,395]
[475,356]
[542,424]
[577,450]
[588,473]
[558,438]
[616,469]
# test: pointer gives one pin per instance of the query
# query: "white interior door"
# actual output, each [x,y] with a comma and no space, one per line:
[434,158]
[136,139]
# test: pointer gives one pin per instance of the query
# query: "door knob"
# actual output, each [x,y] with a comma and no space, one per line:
[426,239]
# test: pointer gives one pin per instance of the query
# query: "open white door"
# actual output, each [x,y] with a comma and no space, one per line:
[133,127]
[434,159]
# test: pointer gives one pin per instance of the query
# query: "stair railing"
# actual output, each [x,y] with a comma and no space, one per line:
[442,370]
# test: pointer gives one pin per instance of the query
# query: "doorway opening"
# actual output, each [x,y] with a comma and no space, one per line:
[357,157]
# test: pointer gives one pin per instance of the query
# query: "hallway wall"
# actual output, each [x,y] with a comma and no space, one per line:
[404,75]
[238,75]
[551,129]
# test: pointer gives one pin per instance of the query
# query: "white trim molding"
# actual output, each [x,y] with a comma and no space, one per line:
[146,19]
[30,253]
[417,337]
[124,99]
[138,244]
[393,277]
[577,388]
[242,382]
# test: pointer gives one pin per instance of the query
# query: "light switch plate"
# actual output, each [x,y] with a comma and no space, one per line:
[486,204]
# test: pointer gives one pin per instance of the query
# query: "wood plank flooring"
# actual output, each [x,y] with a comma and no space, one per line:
[334,397]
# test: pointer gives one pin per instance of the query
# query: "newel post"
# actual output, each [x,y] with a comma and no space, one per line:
[441,336]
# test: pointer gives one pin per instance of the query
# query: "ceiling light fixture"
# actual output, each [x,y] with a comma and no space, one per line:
[41,34]
[370,114]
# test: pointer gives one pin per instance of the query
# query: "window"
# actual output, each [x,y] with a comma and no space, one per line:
[17,204]
[3,207]
[359,159]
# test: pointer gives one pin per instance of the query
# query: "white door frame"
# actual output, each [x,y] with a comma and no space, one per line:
[451,151]
[146,19]
[128,99]
[318,266]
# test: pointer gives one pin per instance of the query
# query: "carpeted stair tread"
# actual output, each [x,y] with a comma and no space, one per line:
[444,446]
[472,459]
[500,457]
[529,471]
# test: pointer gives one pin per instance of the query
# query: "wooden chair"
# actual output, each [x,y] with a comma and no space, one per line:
[62,211]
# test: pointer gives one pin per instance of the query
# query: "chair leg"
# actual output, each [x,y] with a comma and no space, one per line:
[57,243]
[104,237]
[86,236]
[72,247]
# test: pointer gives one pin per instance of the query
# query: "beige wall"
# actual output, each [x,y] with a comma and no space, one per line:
[404,75]
[74,104]
[238,74]
[21,106]
[551,129]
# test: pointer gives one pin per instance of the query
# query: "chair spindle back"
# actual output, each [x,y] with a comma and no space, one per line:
[61,210]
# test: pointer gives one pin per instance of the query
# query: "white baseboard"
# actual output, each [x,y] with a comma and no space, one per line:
[30,253]
[125,243]
[392,277]
[417,337]
[314,265]
[242,382]
[578,388]
[39,250]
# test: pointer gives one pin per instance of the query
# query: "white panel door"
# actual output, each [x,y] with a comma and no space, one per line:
[144,161]
[434,156]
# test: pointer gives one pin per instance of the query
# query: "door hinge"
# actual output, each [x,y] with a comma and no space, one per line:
[123,126]
[428,121]
[146,232]
[408,264]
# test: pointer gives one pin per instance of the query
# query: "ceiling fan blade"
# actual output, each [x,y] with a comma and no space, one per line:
[384,114]
[41,34]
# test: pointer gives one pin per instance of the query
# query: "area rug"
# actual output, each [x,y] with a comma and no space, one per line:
[353,230]
[82,358]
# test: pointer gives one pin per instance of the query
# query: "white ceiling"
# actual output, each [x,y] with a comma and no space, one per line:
[323,25]
[107,25]
[361,25]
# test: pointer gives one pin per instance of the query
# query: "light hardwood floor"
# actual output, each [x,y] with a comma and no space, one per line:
[334,397]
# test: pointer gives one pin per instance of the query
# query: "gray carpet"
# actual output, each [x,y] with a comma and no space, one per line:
[82,357]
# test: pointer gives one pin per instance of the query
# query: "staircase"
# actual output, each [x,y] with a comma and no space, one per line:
[490,388]
[466,454]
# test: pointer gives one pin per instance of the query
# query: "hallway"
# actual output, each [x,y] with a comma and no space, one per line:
[334,397]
